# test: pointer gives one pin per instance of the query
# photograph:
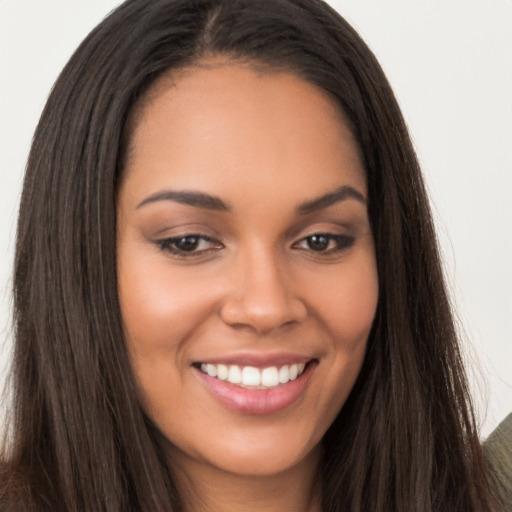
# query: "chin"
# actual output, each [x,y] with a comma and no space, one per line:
[264,451]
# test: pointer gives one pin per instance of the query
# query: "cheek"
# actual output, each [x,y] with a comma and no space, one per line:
[345,301]
[159,311]
[158,306]
[352,309]
[348,312]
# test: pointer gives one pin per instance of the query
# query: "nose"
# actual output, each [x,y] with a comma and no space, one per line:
[261,298]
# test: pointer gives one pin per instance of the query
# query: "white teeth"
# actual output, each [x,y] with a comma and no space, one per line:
[222,371]
[284,374]
[234,375]
[252,377]
[270,377]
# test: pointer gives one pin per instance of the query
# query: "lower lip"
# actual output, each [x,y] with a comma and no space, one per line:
[257,401]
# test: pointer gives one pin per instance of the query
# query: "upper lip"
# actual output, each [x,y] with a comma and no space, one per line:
[257,360]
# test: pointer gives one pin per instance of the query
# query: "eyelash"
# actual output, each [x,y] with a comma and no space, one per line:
[170,245]
[341,243]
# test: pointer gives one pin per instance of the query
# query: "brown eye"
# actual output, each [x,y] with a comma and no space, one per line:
[318,242]
[188,245]
[325,243]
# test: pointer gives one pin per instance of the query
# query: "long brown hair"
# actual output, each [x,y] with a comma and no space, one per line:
[405,439]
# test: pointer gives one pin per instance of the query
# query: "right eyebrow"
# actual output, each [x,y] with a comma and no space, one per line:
[190,198]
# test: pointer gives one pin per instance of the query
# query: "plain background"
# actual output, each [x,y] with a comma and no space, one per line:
[450,64]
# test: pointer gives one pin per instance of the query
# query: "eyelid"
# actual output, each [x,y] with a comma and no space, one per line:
[338,238]
[176,227]
[168,245]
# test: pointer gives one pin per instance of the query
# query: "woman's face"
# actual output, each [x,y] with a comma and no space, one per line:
[247,274]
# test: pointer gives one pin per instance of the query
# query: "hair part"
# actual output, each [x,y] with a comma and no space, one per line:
[406,437]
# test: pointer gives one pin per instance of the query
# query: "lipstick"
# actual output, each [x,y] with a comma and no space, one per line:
[259,388]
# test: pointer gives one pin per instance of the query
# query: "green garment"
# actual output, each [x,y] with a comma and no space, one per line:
[498,450]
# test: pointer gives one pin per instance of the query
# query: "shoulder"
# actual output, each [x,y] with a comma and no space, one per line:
[498,451]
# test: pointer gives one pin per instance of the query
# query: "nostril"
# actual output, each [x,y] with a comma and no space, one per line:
[264,315]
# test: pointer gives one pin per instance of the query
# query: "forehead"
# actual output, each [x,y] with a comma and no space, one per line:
[237,122]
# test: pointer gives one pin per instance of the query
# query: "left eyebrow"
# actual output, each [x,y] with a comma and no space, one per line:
[340,194]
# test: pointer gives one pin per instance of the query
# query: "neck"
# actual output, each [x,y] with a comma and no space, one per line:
[205,488]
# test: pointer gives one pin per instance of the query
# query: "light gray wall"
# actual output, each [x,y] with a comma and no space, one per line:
[450,63]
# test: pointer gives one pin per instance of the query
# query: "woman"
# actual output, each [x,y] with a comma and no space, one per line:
[228,293]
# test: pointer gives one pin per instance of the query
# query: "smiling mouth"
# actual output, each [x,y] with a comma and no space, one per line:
[250,377]
[256,387]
